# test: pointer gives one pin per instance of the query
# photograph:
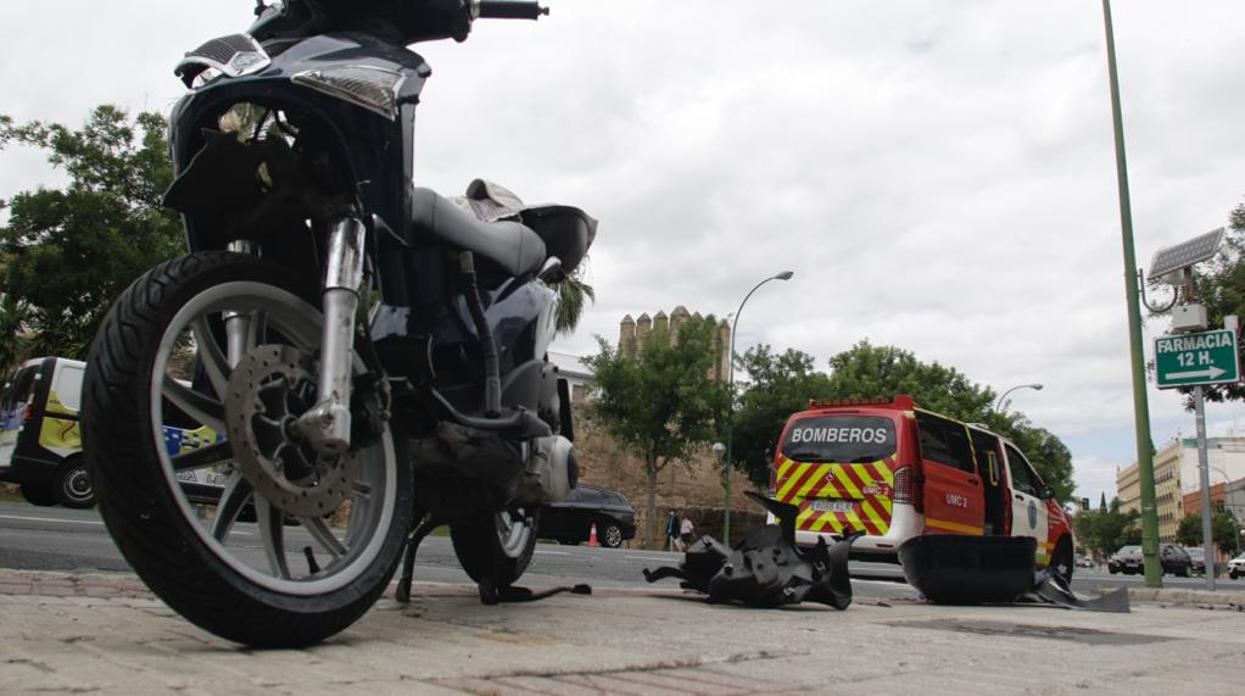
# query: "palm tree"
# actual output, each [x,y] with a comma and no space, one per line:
[573,292]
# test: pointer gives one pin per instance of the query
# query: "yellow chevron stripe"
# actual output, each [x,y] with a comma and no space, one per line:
[953,526]
[793,475]
[801,520]
[886,504]
[847,484]
[819,474]
[884,471]
[874,517]
[828,519]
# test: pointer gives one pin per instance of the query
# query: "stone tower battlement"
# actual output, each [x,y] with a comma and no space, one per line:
[632,332]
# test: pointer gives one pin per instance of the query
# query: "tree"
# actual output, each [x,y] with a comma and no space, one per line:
[779,386]
[661,405]
[68,252]
[1106,529]
[573,294]
[1220,285]
[866,372]
[1224,530]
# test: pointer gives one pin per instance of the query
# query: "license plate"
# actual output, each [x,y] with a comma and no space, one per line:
[832,505]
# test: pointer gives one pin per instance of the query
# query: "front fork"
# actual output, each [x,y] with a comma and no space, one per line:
[326,426]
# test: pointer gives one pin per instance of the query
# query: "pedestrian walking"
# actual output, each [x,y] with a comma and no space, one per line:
[672,531]
[687,532]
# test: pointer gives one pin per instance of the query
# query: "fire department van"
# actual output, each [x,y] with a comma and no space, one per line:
[896,471]
[41,444]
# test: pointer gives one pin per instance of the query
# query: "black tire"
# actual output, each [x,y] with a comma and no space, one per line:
[1183,572]
[1234,575]
[610,535]
[144,508]
[1062,561]
[72,484]
[40,496]
[482,554]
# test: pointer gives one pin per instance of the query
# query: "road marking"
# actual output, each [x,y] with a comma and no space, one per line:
[650,558]
[94,523]
[552,553]
[50,519]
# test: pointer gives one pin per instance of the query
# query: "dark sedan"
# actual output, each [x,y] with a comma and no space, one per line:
[570,521]
[1128,560]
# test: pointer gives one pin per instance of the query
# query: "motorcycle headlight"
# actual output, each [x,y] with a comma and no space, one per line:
[375,89]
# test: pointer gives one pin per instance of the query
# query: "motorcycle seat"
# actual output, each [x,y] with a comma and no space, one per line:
[511,245]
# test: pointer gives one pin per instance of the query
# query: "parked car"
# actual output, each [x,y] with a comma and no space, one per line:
[1236,567]
[1127,560]
[570,521]
[1174,559]
[1197,560]
[1084,562]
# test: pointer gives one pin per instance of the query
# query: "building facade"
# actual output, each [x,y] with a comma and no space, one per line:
[1177,480]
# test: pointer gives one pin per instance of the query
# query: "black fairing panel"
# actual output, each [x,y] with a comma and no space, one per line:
[375,150]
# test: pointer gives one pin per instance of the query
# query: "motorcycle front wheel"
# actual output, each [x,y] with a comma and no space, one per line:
[163,378]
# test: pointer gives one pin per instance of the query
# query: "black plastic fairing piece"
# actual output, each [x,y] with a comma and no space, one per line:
[766,568]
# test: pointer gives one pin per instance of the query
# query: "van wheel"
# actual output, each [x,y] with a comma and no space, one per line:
[37,495]
[1061,560]
[72,485]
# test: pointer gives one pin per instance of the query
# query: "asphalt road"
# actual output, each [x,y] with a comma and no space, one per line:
[34,538]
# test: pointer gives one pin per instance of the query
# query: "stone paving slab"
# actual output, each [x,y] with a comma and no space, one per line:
[106,634]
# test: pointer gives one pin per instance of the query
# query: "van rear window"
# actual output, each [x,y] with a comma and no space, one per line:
[840,439]
[19,388]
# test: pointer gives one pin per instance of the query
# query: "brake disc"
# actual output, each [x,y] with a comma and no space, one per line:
[269,389]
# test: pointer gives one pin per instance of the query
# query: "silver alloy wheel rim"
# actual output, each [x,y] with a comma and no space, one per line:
[613,536]
[375,493]
[513,533]
[77,485]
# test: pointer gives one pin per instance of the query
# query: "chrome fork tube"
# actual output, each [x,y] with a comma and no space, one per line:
[327,425]
[236,324]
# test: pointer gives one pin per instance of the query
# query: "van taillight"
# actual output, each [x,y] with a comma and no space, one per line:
[29,414]
[903,486]
[773,481]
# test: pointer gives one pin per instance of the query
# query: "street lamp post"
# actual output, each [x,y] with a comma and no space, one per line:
[999,405]
[728,465]
[1141,402]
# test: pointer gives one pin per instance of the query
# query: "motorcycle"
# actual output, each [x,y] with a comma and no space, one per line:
[359,358]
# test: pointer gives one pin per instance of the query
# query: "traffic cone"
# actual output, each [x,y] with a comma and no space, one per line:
[592,535]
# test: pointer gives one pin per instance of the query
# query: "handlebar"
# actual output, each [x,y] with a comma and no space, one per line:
[510,9]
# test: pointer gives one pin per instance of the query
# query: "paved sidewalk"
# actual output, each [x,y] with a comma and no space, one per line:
[106,634]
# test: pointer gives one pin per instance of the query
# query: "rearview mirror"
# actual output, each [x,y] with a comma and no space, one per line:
[1048,493]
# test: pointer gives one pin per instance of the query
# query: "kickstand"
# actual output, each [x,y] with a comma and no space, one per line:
[423,529]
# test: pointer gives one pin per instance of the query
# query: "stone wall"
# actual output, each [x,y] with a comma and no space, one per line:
[694,488]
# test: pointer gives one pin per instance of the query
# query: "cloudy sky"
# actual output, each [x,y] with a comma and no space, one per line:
[938,174]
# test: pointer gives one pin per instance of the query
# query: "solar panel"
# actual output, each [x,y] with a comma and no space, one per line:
[1185,254]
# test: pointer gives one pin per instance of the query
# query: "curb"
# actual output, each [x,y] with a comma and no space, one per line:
[1180,596]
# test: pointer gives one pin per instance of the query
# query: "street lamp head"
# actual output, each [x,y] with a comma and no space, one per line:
[785,275]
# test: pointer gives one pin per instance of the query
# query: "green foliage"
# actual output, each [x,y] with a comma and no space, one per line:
[1105,530]
[780,385]
[1224,530]
[1220,285]
[68,252]
[573,295]
[866,372]
[661,406]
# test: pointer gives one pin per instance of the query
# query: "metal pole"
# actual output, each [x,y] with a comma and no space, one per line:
[1141,406]
[728,463]
[1203,469]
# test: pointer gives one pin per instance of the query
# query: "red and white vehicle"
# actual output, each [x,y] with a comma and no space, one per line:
[896,471]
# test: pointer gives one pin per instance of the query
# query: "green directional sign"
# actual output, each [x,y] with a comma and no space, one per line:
[1187,360]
